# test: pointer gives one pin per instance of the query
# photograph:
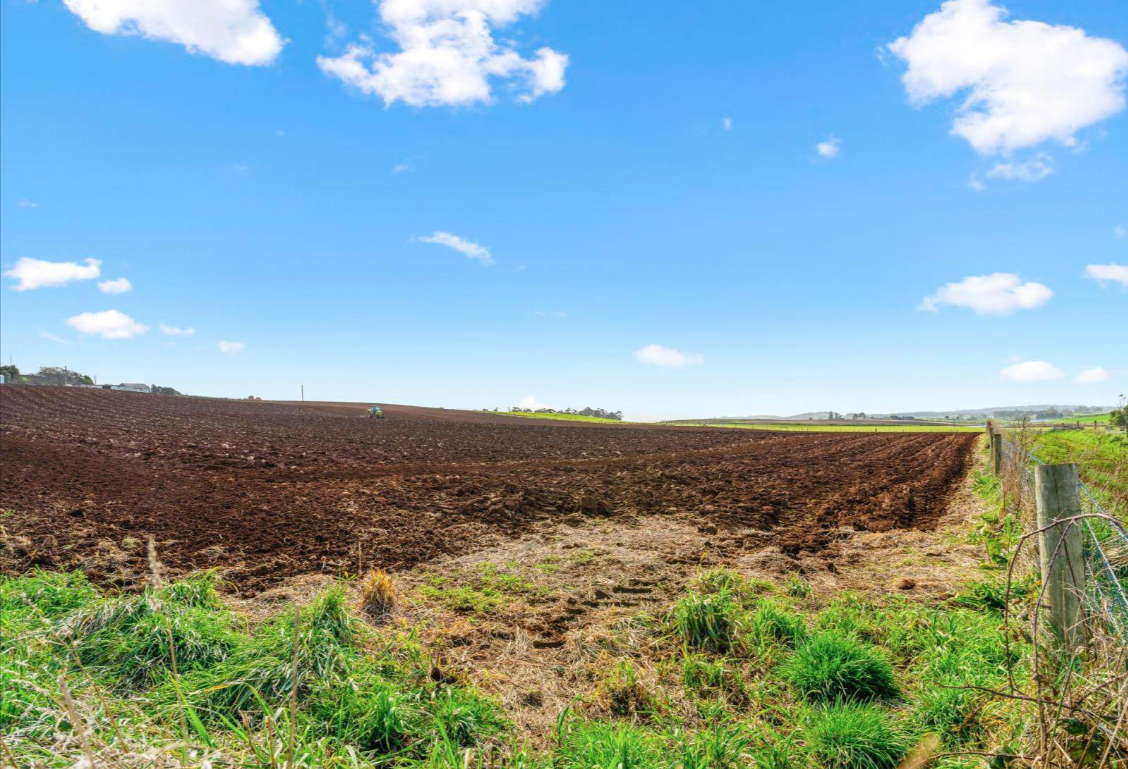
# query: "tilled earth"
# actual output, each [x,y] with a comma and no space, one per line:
[267,491]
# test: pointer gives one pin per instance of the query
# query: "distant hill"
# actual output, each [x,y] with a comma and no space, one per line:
[977,413]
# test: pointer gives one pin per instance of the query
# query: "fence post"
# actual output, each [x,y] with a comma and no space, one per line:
[997,453]
[1060,552]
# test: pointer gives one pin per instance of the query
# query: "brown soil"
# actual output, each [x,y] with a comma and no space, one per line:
[271,490]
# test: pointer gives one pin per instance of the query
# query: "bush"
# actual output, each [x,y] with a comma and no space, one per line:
[855,737]
[832,667]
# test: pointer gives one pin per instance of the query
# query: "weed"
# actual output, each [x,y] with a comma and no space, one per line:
[377,594]
[607,746]
[708,622]
[772,624]
[831,667]
[855,737]
[720,747]
[704,675]
[625,694]
[797,587]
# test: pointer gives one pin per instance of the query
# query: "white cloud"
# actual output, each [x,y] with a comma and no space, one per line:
[448,54]
[1092,376]
[468,247]
[27,204]
[52,337]
[36,273]
[176,330]
[1031,371]
[726,123]
[115,286]
[228,347]
[1027,82]
[668,357]
[1120,231]
[1000,293]
[232,31]
[402,168]
[830,148]
[110,324]
[1106,273]
[1031,170]
[530,403]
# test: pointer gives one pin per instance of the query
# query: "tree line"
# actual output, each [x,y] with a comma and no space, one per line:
[584,412]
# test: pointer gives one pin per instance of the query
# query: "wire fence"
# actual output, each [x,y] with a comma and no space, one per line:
[1104,542]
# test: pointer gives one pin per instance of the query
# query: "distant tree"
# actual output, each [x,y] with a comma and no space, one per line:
[164,390]
[61,375]
[11,373]
[1119,417]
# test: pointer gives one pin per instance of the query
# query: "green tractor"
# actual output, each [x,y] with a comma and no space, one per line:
[375,412]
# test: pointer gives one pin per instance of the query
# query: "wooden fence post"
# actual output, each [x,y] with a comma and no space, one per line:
[997,453]
[1060,551]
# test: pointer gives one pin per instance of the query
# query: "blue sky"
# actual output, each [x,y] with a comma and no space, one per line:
[682,209]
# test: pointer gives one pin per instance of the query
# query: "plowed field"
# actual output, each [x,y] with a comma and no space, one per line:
[271,490]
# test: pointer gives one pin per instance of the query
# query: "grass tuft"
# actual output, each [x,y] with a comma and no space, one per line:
[831,667]
[855,737]
[377,594]
[708,622]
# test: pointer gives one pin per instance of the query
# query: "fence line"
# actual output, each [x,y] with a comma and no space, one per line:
[1105,544]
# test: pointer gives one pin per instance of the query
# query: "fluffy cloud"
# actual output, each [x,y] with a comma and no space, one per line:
[1032,170]
[1092,376]
[829,149]
[115,286]
[110,324]
[448,55]
[176,330]
[36,273]
[1027,82]
[1000,293]
[726,123]
[228,347]
[232,31]
[667,357]
[1108,273]
[530,403]
[1031,371]
[468,247]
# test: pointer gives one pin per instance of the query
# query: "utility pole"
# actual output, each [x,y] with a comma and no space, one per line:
[303,393]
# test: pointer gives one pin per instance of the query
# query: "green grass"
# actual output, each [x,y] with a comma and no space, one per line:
[708,622]
[856,737]
[1088,419]
[739,674]
[1103,460]
[558,417]
[824,428]
[832,667]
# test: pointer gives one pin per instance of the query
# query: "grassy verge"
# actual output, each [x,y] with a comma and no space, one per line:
[557,417]
[734,674]
[819,428]
[1103,458]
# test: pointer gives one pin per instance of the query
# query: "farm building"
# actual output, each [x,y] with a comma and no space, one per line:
[132,387]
